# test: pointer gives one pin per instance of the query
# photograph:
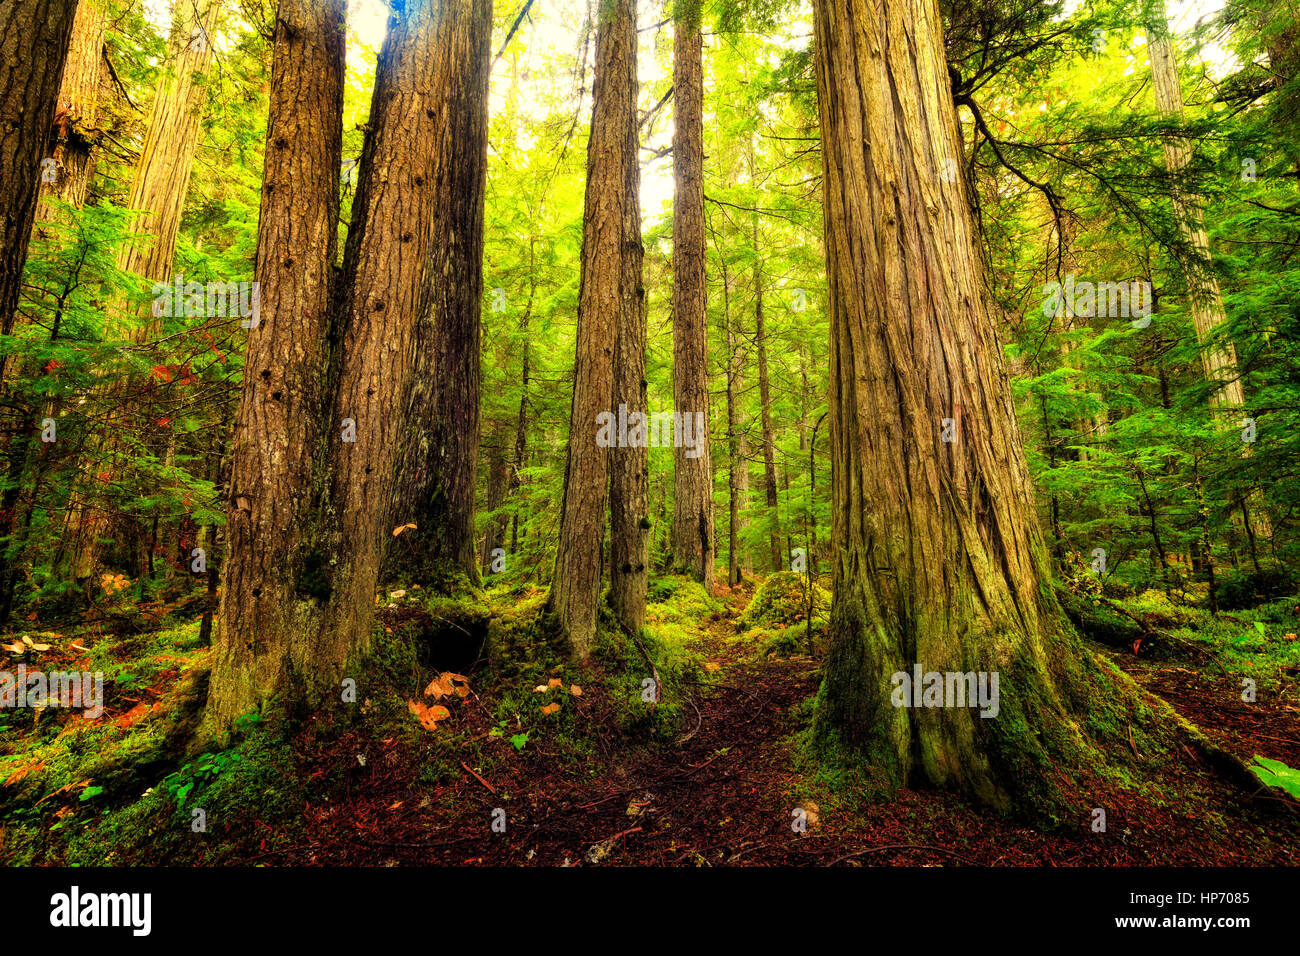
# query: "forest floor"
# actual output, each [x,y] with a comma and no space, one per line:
[713,779]
[725,792]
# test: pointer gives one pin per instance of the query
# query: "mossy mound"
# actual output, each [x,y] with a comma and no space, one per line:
[782,600]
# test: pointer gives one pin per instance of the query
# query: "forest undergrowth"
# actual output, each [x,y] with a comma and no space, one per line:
[689,747]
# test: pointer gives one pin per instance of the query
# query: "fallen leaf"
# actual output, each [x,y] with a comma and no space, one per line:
[575,690]
[550,708]
[396,594]
[395,805]
[437,689]
[132,716]
[711,666]
[555,682]
[409,526]
[428,716]
[539,689]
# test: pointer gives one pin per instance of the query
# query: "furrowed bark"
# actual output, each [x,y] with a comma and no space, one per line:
[575,592]
[272,593]
[629,524]
[438,474]
[34,38]
[693,526]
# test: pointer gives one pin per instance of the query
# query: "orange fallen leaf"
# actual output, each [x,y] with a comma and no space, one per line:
[575,690]
[555,682]
[132,716]
[711,666]
[428,716]
[550,708]
[437,688]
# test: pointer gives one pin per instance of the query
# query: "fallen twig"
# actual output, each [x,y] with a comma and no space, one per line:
[478,778]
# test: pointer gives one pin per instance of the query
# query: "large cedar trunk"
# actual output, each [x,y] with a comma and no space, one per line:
[575,592]
[629,470]
[76,116]
[162,175]
[693,532]
[272,595]
[1220,359]
[938,560]
[33,46]
[437,477]
[381,297]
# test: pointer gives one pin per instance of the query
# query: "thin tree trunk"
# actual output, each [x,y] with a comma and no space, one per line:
[769,441]
[693,532]
[629,519]
[576,589]
[498,482]
[737,461]
[1218,355]
[275,572]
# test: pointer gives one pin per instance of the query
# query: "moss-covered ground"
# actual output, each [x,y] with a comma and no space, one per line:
[469,738]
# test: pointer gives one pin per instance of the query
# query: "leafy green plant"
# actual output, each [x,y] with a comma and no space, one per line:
[210,766]
[1274,773]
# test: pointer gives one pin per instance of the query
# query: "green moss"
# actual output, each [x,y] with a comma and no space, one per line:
[782,599]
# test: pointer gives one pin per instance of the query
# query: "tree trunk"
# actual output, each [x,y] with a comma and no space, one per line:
[74,131]
[629,519]
[498,482]
[382,292]
[438,474]
[576,589]
[162,174]
[272,594]
[34,38]
[692,532]
[1218,355]
[765,398]
[938,559]
[737,452]
[158,192]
